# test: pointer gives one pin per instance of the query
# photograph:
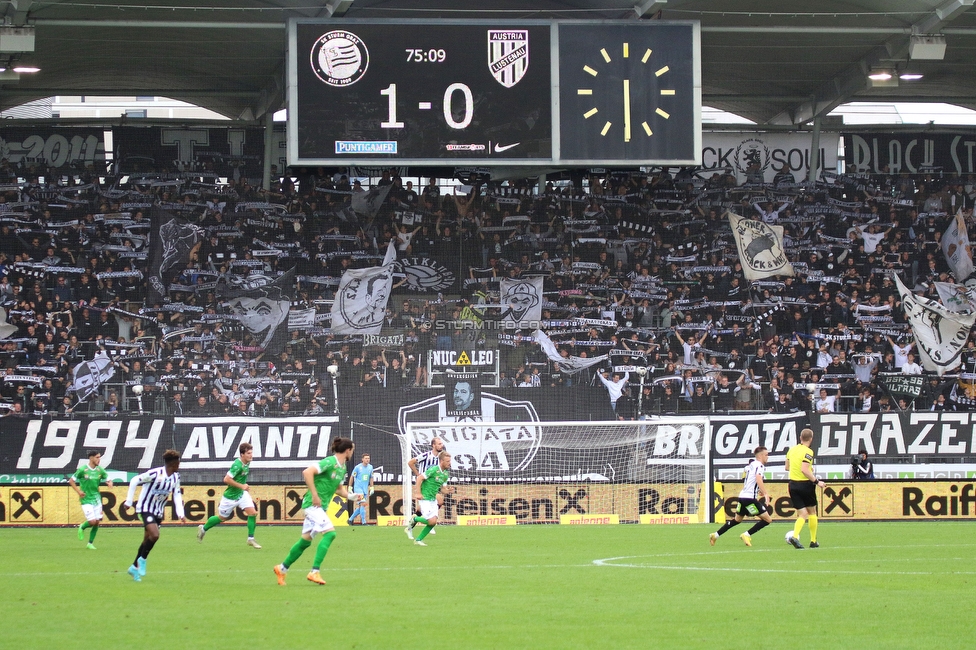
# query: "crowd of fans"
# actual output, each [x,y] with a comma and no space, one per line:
[640,266]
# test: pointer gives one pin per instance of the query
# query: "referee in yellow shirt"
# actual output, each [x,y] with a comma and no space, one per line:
[803,489]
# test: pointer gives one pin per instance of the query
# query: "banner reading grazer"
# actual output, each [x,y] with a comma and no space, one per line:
[875,500]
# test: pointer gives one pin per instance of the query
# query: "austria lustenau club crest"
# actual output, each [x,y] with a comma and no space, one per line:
[508,55]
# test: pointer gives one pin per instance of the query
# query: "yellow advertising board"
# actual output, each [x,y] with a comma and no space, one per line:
[57,505]
[590,519]
[874,500]
[487,520]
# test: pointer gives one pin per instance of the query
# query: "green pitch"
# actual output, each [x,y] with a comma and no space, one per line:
[877,585]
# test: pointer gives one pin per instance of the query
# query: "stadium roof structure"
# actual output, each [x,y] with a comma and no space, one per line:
[774,62]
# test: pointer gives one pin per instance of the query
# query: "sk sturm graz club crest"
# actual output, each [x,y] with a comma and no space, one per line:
[424,274]
[339,58]
[508,55]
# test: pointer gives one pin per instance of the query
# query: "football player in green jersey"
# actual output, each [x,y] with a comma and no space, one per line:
[236,496]
[429,485]
[89,477]
[324,479]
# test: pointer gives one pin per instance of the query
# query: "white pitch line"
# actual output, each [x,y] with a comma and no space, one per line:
[42,574]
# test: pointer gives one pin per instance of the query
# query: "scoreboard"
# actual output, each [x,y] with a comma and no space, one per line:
[493,92]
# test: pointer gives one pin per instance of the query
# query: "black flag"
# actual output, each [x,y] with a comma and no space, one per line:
[173,242]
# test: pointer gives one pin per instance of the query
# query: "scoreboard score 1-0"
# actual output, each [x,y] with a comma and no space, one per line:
[493,93]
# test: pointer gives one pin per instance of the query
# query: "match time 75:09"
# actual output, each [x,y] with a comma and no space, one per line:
[419,55]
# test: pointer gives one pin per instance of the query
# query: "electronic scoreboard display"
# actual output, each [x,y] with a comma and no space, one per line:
[493,93]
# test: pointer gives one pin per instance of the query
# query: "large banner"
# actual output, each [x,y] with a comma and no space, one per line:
[904,153]
[908,443]
[218,149]
[770,151]
[53,146]
[51,447]
[48,450]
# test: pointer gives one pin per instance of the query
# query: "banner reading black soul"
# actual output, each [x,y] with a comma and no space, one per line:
[220,150]
[910,152]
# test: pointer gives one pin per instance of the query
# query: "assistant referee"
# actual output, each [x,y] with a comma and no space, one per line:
[803,489]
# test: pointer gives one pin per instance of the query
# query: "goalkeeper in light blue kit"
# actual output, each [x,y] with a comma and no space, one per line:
[429,484]
[361,482]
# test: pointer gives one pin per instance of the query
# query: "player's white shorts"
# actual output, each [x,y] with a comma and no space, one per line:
[93,511]
[428,509]
[316,521]
[226,507]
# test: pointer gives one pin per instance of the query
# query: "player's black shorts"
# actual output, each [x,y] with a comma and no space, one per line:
[803,494]
[150,518]
[750,507]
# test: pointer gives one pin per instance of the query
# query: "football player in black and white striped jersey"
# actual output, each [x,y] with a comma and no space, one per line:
[418,466]
[750,504]
[158,485]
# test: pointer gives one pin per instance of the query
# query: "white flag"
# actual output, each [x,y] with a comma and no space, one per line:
[760,248]
[955,246]
[522,300]
[88,376]
[360,302]
[940,334]
[956,297]
[569,365]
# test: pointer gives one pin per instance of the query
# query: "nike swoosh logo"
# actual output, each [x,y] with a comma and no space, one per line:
[500,148]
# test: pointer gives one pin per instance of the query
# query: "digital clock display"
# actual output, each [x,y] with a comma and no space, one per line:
[416,92]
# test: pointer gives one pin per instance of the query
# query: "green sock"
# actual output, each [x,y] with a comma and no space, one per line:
[213,521]
[252,523]
[296,551]
[322,549]
[424,532]
[91,535]
[85,525]
[419,520]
